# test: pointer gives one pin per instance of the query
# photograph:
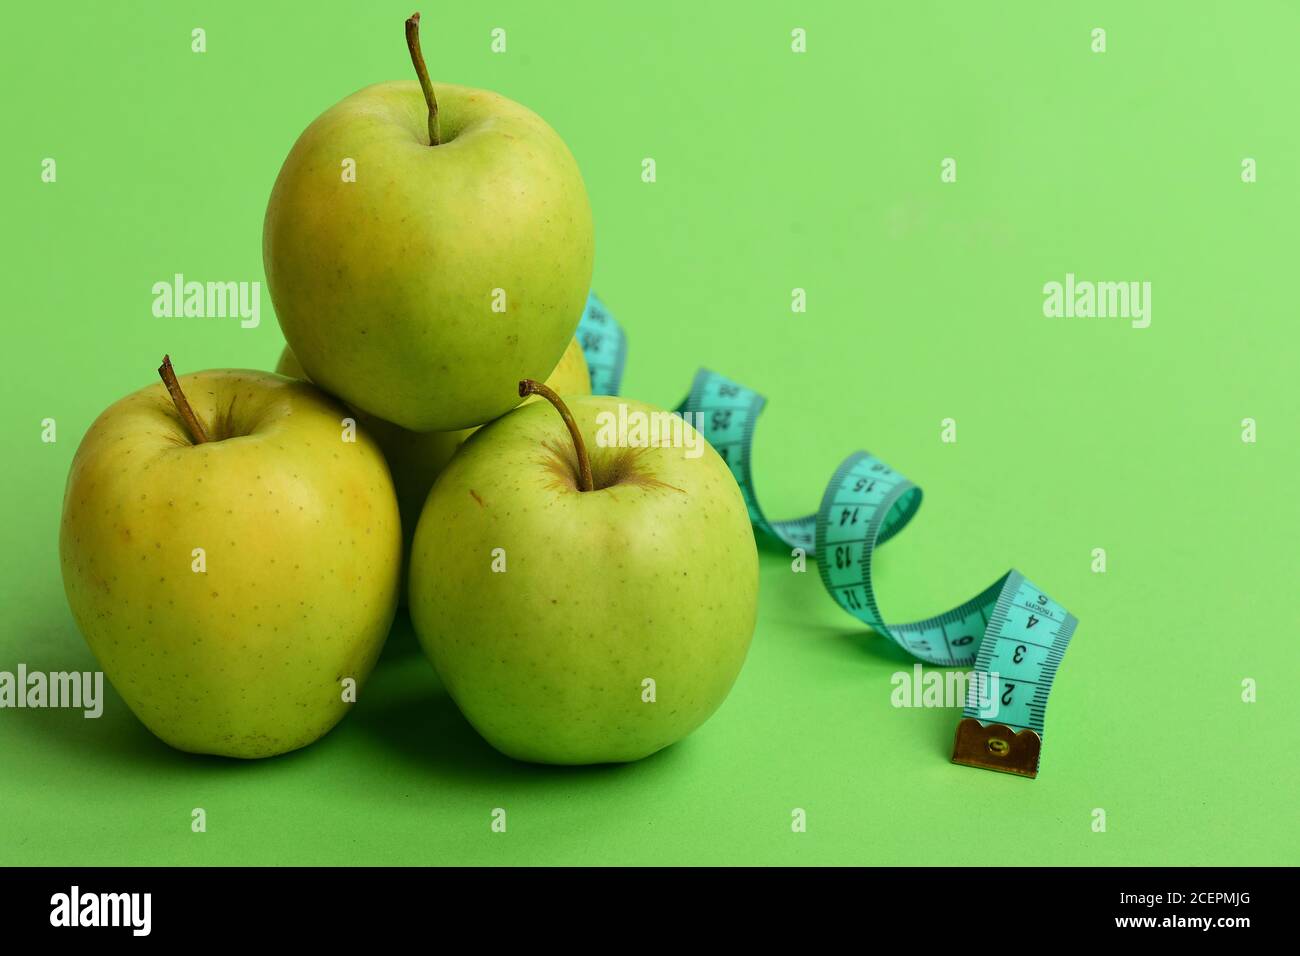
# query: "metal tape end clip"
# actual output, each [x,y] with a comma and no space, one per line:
[996,747]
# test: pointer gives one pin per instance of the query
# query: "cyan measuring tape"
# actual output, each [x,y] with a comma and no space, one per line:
[1012,632]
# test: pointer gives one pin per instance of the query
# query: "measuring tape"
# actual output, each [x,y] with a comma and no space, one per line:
[1012,632]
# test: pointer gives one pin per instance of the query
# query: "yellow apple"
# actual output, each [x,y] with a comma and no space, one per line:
[237,590]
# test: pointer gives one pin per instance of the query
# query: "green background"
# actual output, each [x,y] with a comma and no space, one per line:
[775,170]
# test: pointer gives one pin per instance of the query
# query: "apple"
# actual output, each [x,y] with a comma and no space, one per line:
[576,626]
[455,261]
[416,458]
[231,558]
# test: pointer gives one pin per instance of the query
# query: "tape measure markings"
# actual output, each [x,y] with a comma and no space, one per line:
[604,346]
[865,504]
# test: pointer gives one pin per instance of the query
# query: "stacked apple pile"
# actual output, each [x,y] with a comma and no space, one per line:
[235,543]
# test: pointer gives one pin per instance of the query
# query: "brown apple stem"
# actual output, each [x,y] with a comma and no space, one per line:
[529,387]
[417,59]
[181,402]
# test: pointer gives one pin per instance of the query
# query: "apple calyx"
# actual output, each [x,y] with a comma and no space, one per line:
[191,420]
[529,387]
[417,60]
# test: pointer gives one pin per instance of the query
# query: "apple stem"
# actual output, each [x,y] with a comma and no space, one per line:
[529,387]
[417,58]
[181,402]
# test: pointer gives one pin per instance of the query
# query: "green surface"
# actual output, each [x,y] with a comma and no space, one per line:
[775,170]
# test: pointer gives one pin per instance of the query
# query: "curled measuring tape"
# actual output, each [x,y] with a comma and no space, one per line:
[1012,632]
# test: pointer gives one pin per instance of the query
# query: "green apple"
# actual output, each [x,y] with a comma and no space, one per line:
[232,559]
[456,260]
[578,626]
[417,458]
